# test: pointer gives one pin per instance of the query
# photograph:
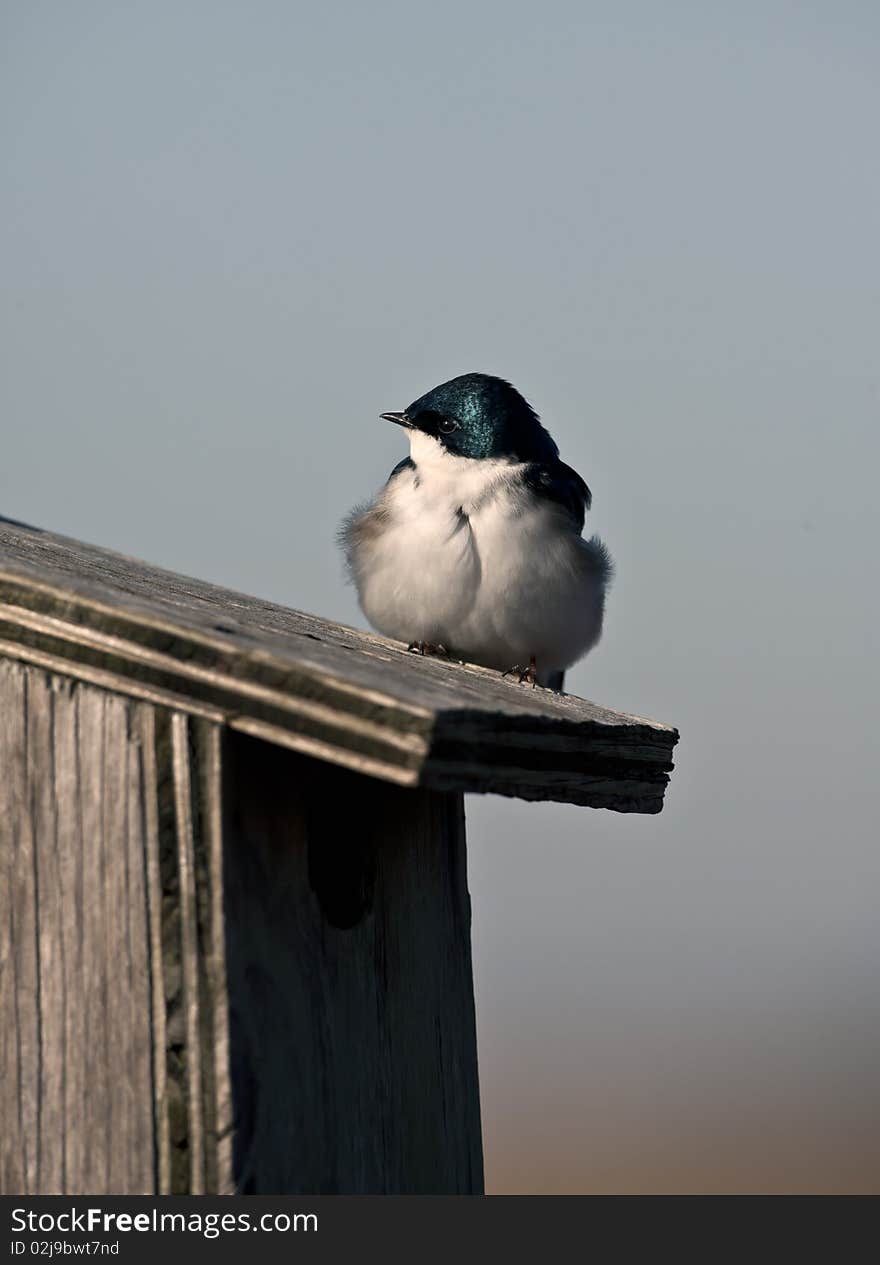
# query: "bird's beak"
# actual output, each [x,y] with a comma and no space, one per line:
[400,419]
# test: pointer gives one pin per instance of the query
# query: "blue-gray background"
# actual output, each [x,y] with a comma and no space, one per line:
[232,234]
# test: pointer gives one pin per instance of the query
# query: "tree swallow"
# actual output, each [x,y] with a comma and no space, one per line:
[474,544]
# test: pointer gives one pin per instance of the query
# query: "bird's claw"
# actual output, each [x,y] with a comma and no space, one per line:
[527,676]
[428,648]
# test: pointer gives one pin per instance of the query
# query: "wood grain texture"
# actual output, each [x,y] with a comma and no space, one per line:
[94,945]
[193,1130]
[326,691]
[76,1090]
[339,955]
[348,947]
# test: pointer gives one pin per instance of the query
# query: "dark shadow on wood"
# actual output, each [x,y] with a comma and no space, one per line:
[353,1046]
[341,844]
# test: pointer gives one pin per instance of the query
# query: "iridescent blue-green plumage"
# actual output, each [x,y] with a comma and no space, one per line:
[555,481]
[493,419]
[480,416]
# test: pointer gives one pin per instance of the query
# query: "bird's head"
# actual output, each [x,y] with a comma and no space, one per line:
[478,416]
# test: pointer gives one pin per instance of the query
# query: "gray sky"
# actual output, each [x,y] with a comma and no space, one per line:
[233,234]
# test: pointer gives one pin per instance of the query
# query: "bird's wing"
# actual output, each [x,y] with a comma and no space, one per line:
[406,464]
[555,481]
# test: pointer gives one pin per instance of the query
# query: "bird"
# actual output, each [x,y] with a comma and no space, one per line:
[474,548]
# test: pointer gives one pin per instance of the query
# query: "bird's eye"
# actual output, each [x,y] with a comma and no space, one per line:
[447,425]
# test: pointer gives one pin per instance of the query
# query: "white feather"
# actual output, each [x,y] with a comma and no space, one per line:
[460,552]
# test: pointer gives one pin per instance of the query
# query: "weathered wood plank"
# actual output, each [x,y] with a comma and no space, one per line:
[348,947]
[71,896]
[92,945]
[43,836]
[189,947]
[90,987]
[196,1113]
[146,736]
[343,948]
[208,774]
[75,991]
[327,691]
[19,1028]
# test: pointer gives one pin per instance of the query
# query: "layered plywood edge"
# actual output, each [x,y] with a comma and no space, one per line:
[317,687]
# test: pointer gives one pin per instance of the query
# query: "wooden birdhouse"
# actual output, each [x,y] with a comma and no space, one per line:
[234,916]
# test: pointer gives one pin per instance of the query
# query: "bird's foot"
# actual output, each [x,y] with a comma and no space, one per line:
[527,676]
[428,648]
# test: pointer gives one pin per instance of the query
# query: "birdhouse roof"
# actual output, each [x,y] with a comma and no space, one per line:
[321,688]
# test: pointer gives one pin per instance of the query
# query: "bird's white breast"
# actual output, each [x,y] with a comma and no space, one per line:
[458,552]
